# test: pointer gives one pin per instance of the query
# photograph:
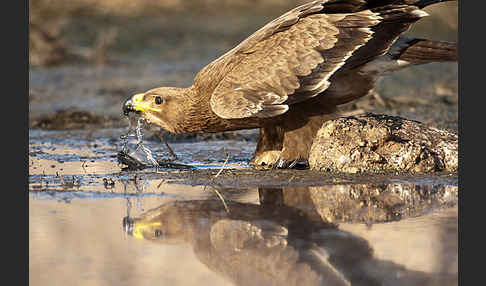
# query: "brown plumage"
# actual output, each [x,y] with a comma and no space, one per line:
[288,77]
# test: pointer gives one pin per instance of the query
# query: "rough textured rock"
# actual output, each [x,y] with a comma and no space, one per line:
[381,143]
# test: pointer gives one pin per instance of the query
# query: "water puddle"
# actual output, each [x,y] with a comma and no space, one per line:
[224,223]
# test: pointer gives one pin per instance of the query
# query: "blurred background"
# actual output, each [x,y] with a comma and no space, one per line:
[87,56]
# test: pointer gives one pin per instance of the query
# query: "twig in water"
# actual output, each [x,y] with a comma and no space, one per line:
[160,184]
[222,167]
[216,190]
[168,147]
[291,178]
[220,197]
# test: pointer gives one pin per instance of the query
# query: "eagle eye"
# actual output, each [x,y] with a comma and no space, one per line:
[158,100]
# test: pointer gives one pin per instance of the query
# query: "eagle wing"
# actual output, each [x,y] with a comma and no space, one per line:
[287,61]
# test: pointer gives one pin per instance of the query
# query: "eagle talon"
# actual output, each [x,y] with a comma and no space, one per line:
[281,164]
[298,164]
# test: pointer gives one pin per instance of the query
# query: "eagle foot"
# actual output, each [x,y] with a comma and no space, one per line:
[273,160]
[266,159]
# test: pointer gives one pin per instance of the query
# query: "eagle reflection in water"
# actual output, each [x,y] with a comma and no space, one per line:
[273,243]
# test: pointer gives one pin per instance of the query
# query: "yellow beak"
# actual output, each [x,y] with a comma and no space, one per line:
[139,105]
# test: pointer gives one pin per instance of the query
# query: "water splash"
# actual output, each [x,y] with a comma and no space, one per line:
[141,157]
[141,152]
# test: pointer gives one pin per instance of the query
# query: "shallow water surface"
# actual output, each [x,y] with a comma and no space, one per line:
[92,223]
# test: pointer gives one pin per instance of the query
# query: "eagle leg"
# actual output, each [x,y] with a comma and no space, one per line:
[297,142]
[287,145]
[269,147]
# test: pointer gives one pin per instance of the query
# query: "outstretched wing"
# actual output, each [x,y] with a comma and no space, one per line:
[287,61]
[291,66]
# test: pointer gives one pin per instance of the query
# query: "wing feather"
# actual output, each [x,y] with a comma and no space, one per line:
[291,66]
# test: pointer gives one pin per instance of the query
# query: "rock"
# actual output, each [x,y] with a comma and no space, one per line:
[382,143]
